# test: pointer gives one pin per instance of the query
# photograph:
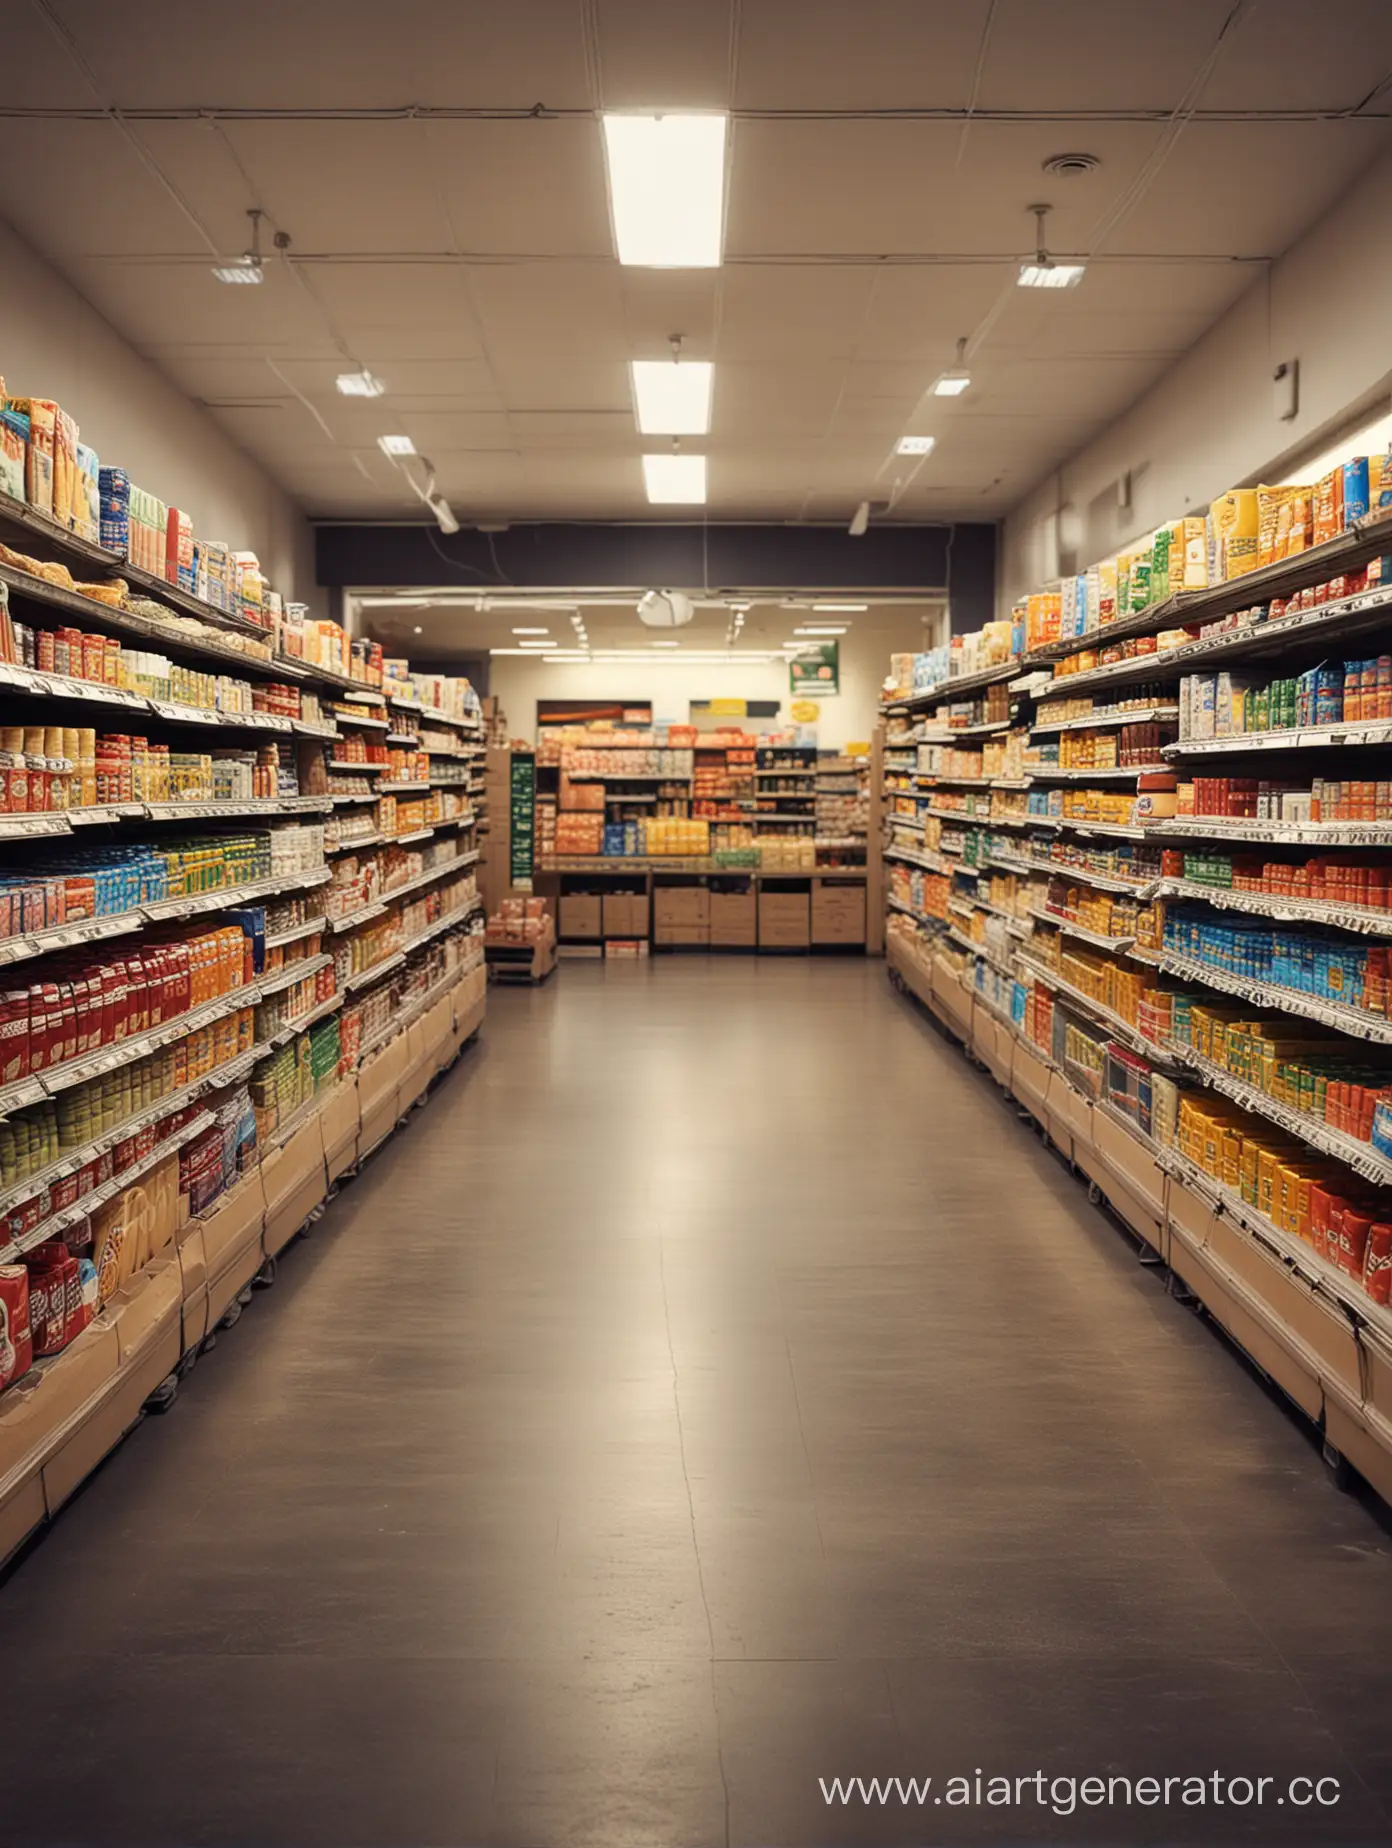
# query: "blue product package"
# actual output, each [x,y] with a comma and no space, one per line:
[1382,1127]
[1355,490]
[114,486]
[613,837]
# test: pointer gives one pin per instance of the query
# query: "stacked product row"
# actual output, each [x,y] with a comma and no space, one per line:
[1183,956]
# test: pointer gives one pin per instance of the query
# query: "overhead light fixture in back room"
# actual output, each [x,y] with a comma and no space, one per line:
[667,188]
[359,385]
[672,396]
[675,480]
[1045,272]
[915,445]
[953,382]
[249,266]
[396,445]
[839,609]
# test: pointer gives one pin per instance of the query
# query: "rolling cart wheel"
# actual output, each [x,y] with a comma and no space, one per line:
[1340,1469]
[266,1276]
[164,1394]
[232,1314]
[1094,1194]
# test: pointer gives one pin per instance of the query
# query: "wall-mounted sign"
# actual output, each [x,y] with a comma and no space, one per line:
[856,750]
[805,711]
[728,708]
[816,670]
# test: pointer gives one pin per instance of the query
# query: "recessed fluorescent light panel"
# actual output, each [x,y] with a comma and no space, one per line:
[839,609]
[951,384]
[915,445]
[245,269]
[1051,275]
[359,385]
[673,397]
[667,188]
[531,631]
[396,445]
[673,480]
[823,629]
[664,644]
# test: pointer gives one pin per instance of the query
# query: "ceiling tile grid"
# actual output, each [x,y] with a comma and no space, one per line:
[439,173]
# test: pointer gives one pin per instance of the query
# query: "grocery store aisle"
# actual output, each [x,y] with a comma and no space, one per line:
[713,1390]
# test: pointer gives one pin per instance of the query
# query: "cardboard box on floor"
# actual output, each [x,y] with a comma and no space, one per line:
[838,913]
[625,914]
[734,919]
[785,921]
[581,914]
[681,914]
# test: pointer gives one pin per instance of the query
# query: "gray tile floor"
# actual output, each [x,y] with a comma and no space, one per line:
[715,1389]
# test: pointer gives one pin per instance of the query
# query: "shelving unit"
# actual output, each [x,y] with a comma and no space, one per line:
[311,713]
[1106,1092]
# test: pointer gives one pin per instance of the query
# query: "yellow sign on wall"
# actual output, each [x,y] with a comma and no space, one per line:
[855,750]
[728,708]
[805,711]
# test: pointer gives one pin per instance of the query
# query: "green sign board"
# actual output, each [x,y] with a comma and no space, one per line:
[521,819]
[815,671]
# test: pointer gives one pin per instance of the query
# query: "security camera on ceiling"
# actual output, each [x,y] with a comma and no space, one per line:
[665,609]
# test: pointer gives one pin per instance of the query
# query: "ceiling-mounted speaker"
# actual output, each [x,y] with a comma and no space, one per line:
[665,609]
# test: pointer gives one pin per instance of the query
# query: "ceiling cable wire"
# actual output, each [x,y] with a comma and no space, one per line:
[977,74]
[109,112]
[541,112]
[1179,119]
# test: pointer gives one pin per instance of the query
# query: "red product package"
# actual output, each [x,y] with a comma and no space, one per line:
[1377,1263]
[48,1307]
[16,1341]
[56,1276]
[14,1034]
[38,1028]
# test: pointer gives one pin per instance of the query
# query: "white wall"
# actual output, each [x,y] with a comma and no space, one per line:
[845,719]
[1209,423]
[54,344]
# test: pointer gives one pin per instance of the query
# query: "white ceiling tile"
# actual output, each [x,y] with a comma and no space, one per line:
[885,55]
[664,54]
[335,53]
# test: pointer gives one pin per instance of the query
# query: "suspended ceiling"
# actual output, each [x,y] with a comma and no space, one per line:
[882,160]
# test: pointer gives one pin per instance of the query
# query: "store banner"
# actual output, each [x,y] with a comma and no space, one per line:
[815,671]
[521,819]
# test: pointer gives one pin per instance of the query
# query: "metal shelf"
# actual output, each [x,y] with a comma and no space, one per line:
[1351,736]
[1367,922]
[1101,1014]
[1108,719]
[1302,1258]
[1122,945]
[1118,773]
[946,689]
[288,974]
[1349,616]
[58,1223]
[63,821]
[71,1160]
[1356,1022]
[1362,1157]
[35,1088]
[1274,833]
[315,926]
